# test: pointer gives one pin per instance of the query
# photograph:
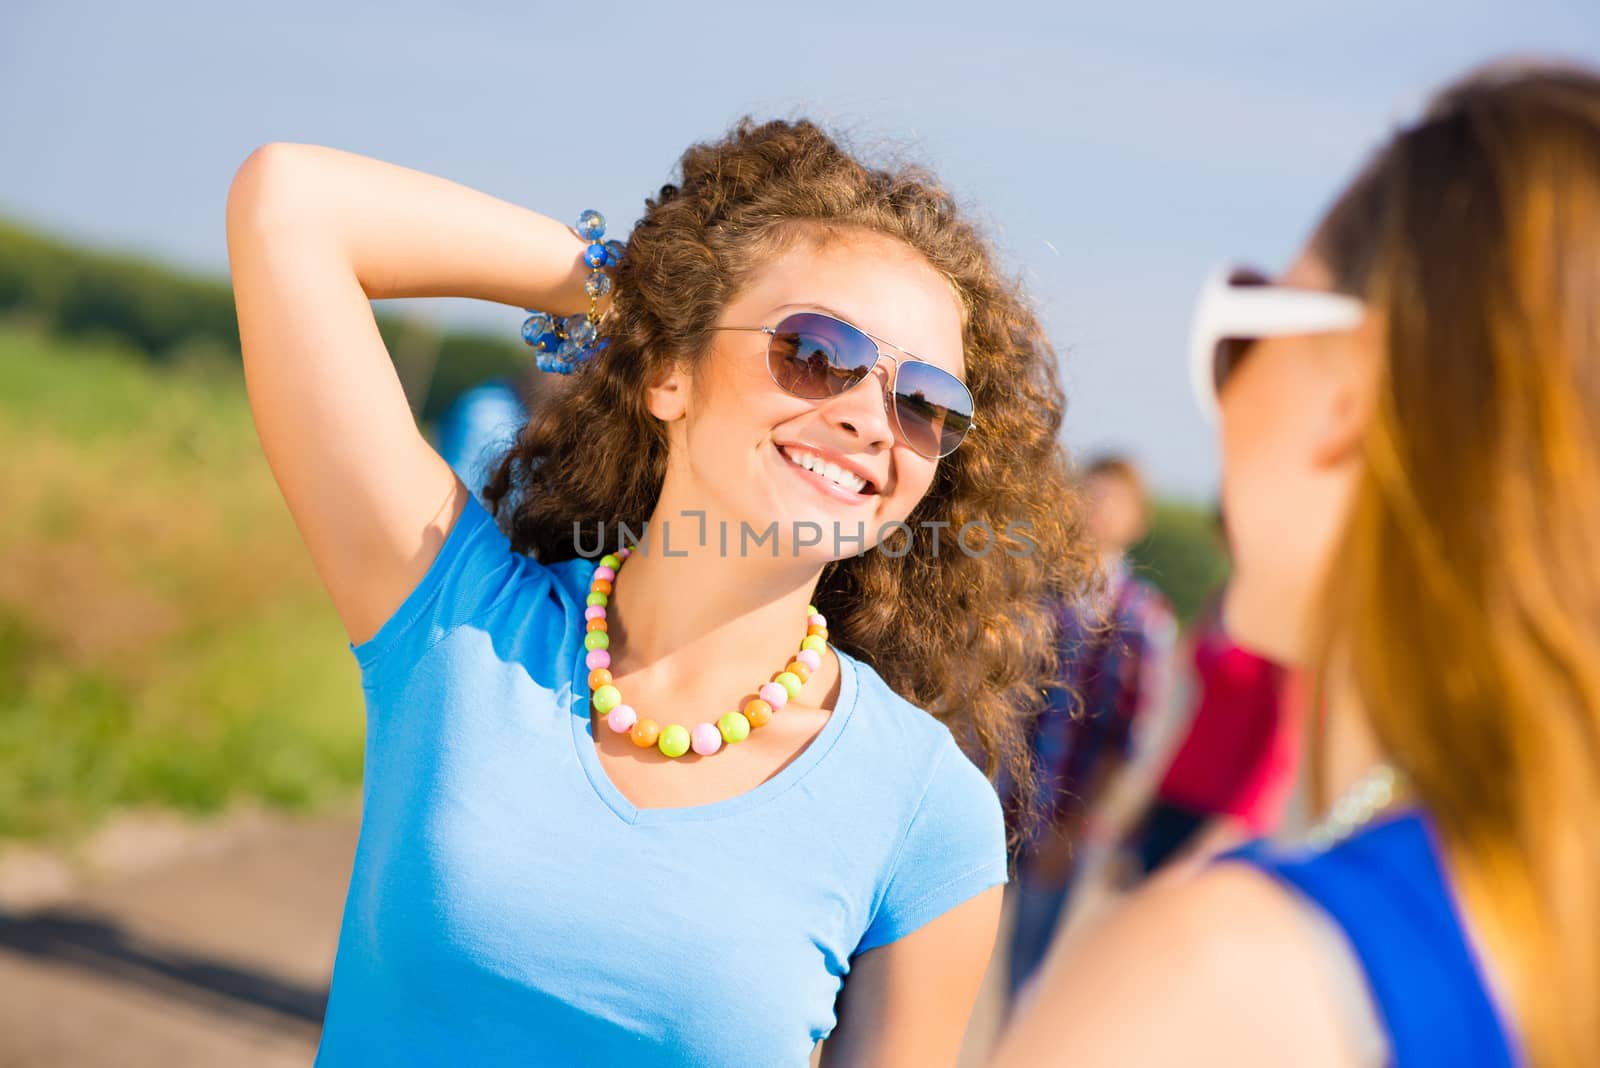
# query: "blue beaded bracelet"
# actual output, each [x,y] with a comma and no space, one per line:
[562,344]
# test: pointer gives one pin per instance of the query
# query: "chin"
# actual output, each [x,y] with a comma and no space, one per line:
[829,548]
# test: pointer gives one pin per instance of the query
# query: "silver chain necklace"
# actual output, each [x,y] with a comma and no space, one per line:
[1358,806]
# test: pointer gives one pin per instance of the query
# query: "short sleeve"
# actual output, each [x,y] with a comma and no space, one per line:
[474,568]
[954,849]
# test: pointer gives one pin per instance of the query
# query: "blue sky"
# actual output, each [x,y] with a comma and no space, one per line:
[1115,151]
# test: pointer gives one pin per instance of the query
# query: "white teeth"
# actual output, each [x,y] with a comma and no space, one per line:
[832,472]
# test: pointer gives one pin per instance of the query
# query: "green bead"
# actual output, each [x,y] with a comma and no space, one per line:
[734,727]
[597,598]
[815,642]
[791,682]
[811,610]
[596,639]
[611,560]
[674,741]
[606,698]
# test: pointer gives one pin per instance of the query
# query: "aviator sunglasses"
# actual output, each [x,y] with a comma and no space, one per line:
[1238,307]
[815,356]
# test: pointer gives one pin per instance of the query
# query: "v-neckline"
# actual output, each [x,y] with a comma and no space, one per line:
[583,742]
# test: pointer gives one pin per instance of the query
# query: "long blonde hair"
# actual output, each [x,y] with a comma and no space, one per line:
[1466,606]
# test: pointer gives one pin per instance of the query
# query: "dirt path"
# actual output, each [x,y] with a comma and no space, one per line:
[215,959]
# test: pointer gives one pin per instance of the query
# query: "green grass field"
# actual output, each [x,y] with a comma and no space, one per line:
[163,638]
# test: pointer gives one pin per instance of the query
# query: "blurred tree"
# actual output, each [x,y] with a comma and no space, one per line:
[1183,555]
[174,317]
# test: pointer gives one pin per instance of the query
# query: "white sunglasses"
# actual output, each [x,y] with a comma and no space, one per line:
[1238,307]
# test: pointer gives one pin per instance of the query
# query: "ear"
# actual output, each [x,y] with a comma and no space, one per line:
[667,395]
[1350,366]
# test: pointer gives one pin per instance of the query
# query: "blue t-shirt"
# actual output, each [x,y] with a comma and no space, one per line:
[509,905]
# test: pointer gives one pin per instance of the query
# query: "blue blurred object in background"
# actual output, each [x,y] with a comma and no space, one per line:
[477,429]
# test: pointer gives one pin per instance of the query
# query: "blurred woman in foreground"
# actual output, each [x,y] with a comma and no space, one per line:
[1410,424]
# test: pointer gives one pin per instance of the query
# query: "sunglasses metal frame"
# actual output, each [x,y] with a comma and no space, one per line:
[878,344]
[1229,310]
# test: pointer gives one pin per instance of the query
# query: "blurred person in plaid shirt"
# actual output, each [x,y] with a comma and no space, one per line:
[1117,653]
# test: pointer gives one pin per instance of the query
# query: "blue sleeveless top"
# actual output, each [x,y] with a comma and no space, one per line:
[1385,888]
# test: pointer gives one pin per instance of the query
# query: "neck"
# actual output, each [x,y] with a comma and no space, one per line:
[683,603]
[1350,748]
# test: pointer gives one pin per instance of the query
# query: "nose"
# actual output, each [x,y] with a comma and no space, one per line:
[862,411]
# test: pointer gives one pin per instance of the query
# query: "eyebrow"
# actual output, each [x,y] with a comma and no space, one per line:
[821,308]
[842,317]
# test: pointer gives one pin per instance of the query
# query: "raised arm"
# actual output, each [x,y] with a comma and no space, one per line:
[314,234]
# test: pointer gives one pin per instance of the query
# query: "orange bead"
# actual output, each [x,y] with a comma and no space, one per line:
[820,632]
[758,712]
[600,586]
[599,624]
[645,733]
[799,669]
[599,677]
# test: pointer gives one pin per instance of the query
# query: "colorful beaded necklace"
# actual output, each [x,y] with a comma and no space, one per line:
[674,740]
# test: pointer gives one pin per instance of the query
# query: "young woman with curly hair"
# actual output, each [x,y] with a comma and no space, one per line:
[545,874]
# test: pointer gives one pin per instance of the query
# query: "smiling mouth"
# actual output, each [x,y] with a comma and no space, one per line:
[810,461]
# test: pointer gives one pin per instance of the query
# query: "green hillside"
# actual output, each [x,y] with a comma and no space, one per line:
[163,638]
[183,319]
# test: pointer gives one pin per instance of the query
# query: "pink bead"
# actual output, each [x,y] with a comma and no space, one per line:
[622,718]
[603,572]
[624,553]
[774,694]
[817,619]
[705,738]
[595,611]
[597,658]
[809,658]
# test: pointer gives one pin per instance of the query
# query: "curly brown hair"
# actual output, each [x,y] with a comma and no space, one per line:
[968,638]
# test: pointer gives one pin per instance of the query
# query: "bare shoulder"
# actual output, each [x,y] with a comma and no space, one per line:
[1221,967]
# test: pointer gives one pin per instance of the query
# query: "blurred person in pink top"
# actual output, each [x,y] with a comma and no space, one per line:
[1218,772]
[1232,775]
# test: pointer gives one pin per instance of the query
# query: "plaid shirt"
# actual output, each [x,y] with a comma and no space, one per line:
[1117,656]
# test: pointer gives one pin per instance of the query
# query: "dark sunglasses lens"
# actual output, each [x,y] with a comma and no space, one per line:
[933,408]
[1226,358]
[815,356]
[1231,351]
[1247,276]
